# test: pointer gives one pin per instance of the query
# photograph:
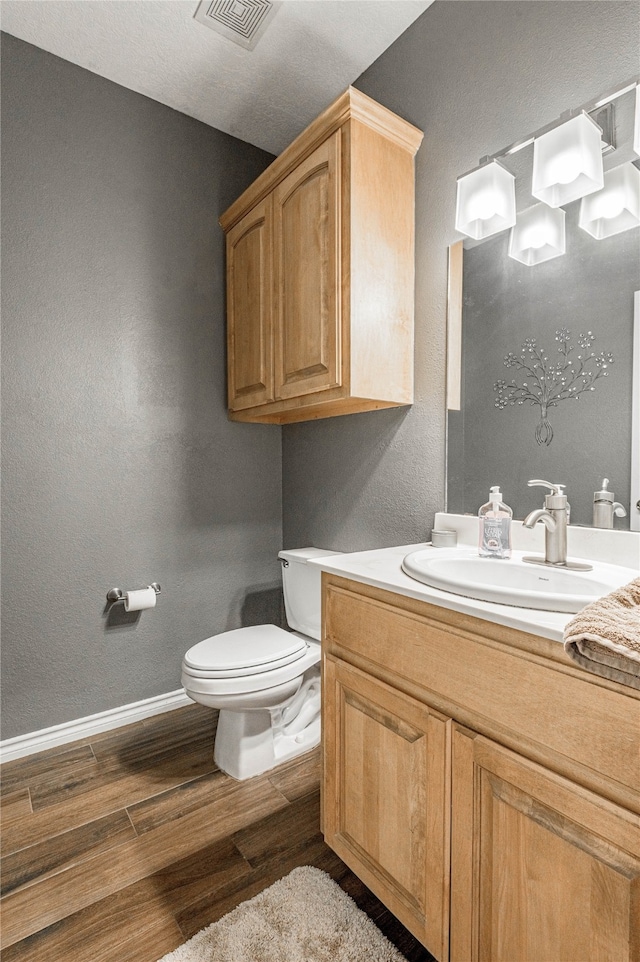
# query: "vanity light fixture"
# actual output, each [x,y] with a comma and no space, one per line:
[616,207]
[486,201]
[538,235]
[567,161]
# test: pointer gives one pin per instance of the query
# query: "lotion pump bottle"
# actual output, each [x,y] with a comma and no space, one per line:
[494,539]
[604,507]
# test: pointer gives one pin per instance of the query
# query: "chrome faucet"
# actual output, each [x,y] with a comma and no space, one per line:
[555,517]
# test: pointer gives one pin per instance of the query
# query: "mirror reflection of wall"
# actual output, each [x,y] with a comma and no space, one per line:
[568,307]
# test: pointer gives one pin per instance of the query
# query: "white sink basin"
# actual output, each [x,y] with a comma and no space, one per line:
[513,581]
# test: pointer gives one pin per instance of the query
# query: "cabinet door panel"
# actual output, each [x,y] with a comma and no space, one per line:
[542,870]
[386,797]
[249,309]
[306,227]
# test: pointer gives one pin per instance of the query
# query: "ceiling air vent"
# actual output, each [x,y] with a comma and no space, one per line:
[243,21]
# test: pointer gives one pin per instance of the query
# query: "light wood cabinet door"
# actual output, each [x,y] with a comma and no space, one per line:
[249,309]
[335,214]
[307,284]
[386,797]
[542,869]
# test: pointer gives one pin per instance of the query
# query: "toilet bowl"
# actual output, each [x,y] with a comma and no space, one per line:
[264,680]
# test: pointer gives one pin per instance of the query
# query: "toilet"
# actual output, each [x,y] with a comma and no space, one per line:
[265,681]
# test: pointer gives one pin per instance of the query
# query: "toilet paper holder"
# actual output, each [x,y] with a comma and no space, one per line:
[117,594]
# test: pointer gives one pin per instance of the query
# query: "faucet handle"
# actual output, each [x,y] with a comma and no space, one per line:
[554,488]
[557,498]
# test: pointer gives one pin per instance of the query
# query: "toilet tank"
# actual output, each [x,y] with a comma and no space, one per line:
[301,584]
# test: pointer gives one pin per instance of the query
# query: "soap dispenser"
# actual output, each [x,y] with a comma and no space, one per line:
[604,507]
[494,525]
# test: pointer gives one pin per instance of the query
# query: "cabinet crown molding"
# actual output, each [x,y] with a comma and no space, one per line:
[350,105]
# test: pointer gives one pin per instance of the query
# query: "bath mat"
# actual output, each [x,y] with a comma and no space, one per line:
[304,917]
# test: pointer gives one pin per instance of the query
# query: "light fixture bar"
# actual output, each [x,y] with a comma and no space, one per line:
[614,96]
[587,108]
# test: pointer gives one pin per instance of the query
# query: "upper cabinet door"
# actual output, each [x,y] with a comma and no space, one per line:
[307,281]
[249,309]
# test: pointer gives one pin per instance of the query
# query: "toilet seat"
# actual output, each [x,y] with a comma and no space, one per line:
[266,676]
[244,651]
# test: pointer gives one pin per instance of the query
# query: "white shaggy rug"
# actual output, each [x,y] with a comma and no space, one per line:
[305,917]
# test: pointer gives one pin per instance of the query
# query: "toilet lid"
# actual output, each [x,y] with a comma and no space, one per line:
[245,651]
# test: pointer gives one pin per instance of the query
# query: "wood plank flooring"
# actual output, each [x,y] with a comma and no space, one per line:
[121,847]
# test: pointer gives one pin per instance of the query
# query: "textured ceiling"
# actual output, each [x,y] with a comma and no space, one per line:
[311,50]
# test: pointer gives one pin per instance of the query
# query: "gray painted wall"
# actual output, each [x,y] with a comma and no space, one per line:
[474,76]
[120,466]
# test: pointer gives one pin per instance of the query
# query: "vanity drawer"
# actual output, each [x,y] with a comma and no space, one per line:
[514,687]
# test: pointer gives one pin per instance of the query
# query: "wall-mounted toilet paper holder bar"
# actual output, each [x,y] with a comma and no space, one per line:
[117,594]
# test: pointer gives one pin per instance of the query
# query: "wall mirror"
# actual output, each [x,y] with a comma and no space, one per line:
[562,328]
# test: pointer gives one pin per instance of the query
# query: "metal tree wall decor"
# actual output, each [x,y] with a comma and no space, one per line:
[548,382]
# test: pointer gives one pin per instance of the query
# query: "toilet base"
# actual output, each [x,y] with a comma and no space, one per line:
[251,742]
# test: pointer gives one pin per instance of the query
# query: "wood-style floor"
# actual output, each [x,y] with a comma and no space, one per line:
[121,847]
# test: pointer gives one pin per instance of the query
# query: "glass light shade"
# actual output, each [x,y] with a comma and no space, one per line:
[636,127]
[616,207]
[486,202]
[538,235]
[567,162]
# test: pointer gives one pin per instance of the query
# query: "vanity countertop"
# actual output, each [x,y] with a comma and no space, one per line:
[382,568]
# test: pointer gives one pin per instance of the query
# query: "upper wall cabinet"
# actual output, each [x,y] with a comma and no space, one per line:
[320,271]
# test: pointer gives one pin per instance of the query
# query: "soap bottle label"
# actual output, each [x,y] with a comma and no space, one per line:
[495,537]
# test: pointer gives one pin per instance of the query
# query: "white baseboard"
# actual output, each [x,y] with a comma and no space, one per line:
[103,721]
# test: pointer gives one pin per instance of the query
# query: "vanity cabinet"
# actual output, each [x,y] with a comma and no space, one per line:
[481,784]
[541,868]
[386,796]
[320,271]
